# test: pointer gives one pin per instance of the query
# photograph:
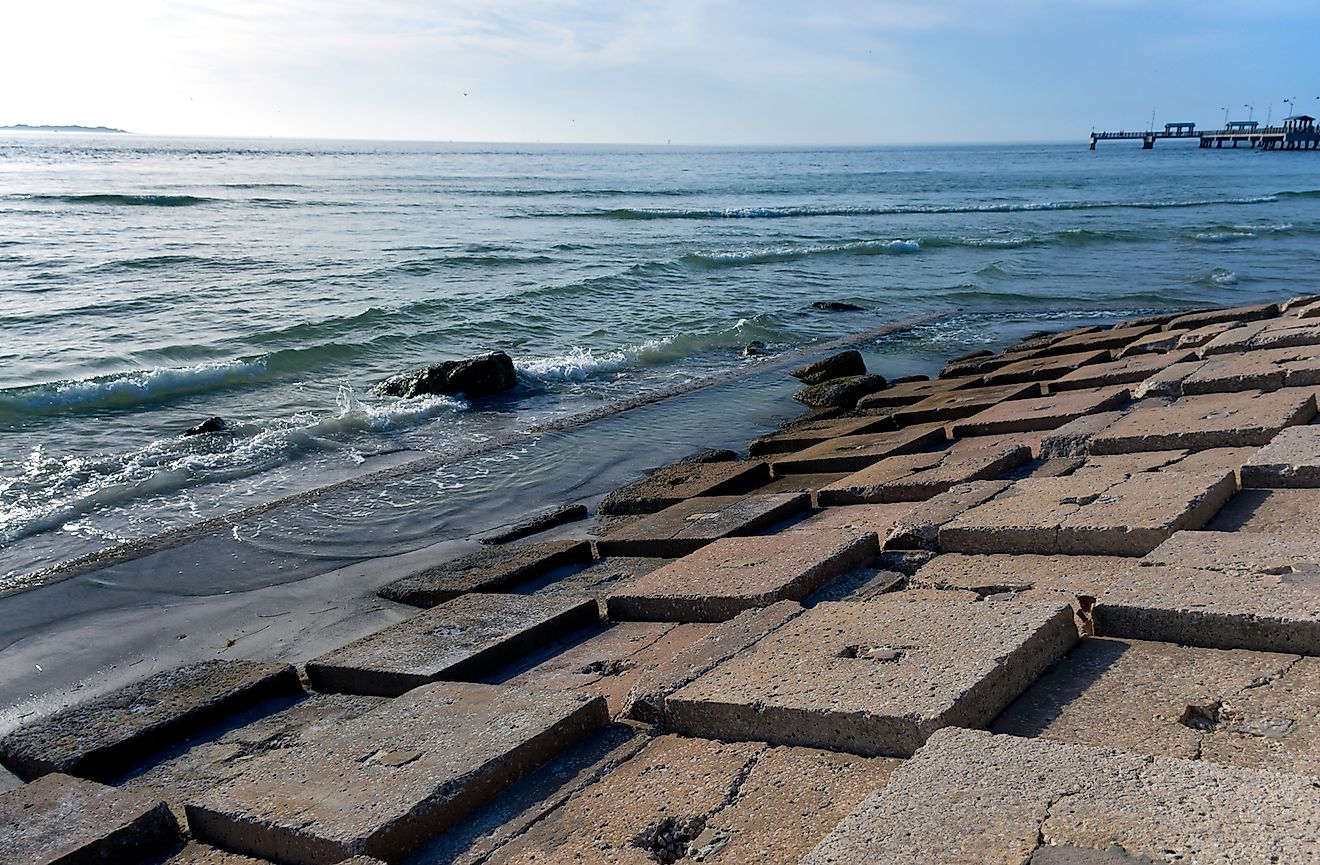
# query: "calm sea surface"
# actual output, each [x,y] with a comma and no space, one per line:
[146,284]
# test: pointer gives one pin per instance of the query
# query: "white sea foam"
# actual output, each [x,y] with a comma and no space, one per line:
[1221,276]
[577,364]
[128,389]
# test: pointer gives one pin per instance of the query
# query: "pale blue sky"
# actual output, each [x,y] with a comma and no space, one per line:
[689,71]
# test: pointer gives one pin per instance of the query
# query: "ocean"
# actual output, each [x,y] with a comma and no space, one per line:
[149,283]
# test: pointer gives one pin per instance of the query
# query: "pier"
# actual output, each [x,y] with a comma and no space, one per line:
[1294,133]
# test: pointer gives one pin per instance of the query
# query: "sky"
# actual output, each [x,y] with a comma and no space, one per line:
[640,71]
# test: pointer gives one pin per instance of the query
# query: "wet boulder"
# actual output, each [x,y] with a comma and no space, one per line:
[845,363]
[836,306]
[840,392]
[210,425]
[484,375]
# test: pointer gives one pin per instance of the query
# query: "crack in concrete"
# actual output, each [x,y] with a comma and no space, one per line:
[1041,839]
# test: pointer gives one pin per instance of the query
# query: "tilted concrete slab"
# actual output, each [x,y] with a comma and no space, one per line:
[804,436]
[1279,333]
[964,402]
[670,485]
[490,569]
[1089,514]
[597,580]
[1126,370]
[729,576]
[875,677]
[696,800]
[1256,370]
[853,453]
[62,820]
[1045,369]
[971,798]
[1073,438]
[459,639]
[689,526]
[1292,511]
[910,392]
[646,701]
[1218,460]
[1200,422]
[105,736]
[1238,314]
[918,477]
[879,519]
[1040,413]
[1291,459]
[386,782]
[194,853]
[1174,701]
[1110,338]
[919,529]
[800,483]
[1168,382]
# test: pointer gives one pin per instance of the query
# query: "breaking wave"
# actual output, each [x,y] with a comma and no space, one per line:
[127,390]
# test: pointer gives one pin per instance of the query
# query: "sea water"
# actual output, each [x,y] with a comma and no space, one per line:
[149,283]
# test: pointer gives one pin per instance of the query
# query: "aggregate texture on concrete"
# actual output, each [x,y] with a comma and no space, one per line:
[194,853]
[668,486]
[972,798]
[813,433]
[1177,701]
[490,569]
[686,527]
[810,484]
[688,799]
[1227,315]
[1258,370]
[856,452]
[1290,511]
[1227,590]
[919,529]
[387,781]
[1217,460]
[922,476]
[907,393]
[1291,459]
[944,406]
[1116,337]
[59,819]
[879,519]
[458,640]
[732,575]
[875,677]
[596,580]
[106,735]
[1089,514]
[1206,421]
[1127,370]
[1285,332]
[1040,413]
[1045,369]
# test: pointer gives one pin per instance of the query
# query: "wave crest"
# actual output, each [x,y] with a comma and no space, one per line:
[128,389]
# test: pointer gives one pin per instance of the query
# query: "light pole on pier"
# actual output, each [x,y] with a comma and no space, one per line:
[1251,111]
[1225,110]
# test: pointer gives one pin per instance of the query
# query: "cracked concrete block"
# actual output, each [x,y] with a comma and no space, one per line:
[853,453]
[971,797]
[1291,459]
[731,575]
[646,701]
[1126,370]
[1237,314]
[386,782]
[1271,725]
[919,529]
[963,402]
[106,735]
[1288,332]
[857,519]
[813,433]
[1200,422]
[1227,590]
[1044,369]
[671,485]
[61,820]
[686,799]
[1217,460]
[459,639]
[689,526]
[875,677]
[1256,370]
[1168,700]
[608,664]
[1168,382]
[1157,342]
[490,569]
[1040,413]
[1073,438]
[1089,514]
[918,477]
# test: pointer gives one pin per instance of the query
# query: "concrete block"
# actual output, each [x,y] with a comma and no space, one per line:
[492,569]
[1156,342]
[1200,422]
[1089,514]
[1277,511]
[106,735]
[919,529]
[1044,369]
[1277,334]
[879,520]
[62,820]
[1225,590]
[1292,459]
[729,576]
[1217,460]
[459,639]
[974,797]
[696,800]
[910,392]
[671,485]
[1073,438]
[875,677]
[964,402]
[1266,369]
[689,526]
[202,854]
[1177,701]
[384,783]
[1168,382]
[1040,413]
[1237,314]
[1126,370]
[646,701]
[596,580]
[1114,338]
[808,434]
[918,477]
[800,483]
[853,453]
[538,522]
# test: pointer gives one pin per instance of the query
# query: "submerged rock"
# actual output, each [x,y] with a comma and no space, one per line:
[210,425]
[484,375]
[845,363]
[839,392]
[753,348]
[836,306]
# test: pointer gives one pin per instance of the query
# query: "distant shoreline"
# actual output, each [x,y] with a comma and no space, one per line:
[24,127]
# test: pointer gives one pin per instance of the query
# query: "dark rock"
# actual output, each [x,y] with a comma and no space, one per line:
[836,306]
[908,379]
[840,392]
[484,375]
[845,363]
[210,425]
[753,348]
[709,455]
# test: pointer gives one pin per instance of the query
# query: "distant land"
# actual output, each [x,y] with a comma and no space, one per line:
[23,127]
